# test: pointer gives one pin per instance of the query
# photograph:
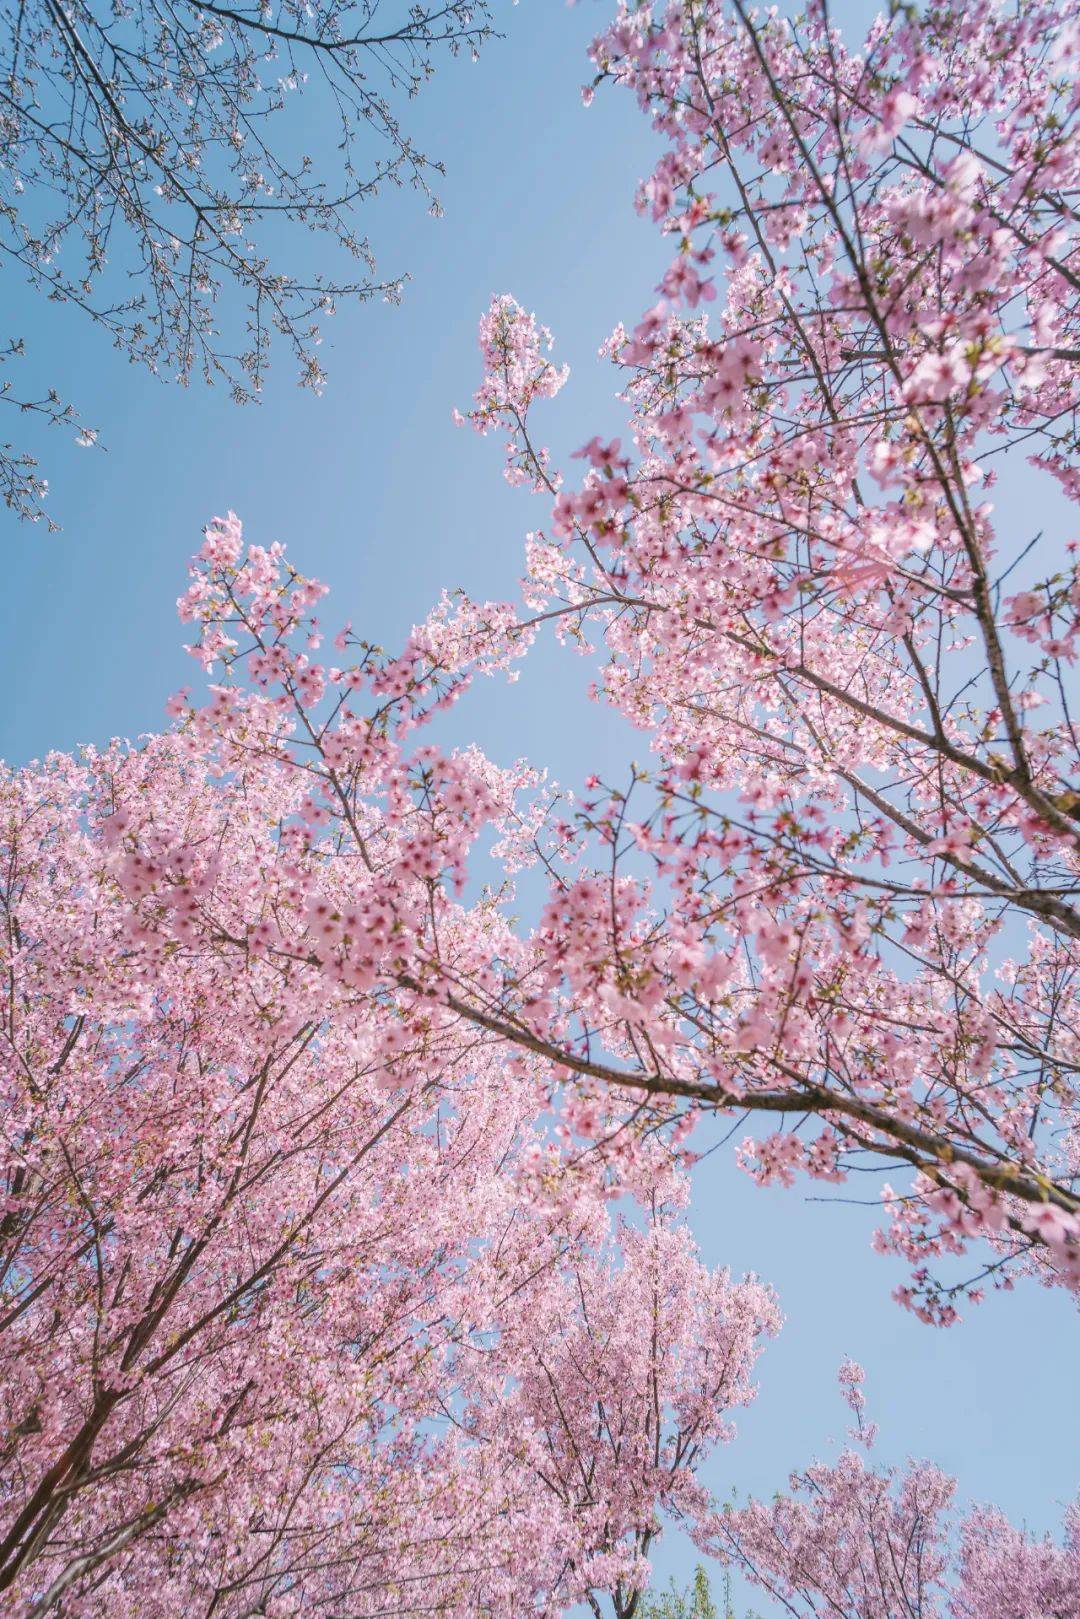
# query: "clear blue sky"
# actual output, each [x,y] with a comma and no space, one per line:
[375,490]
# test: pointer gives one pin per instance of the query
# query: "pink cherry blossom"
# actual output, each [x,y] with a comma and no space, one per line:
[861,811]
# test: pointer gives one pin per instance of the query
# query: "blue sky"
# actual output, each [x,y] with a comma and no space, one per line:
[375,491]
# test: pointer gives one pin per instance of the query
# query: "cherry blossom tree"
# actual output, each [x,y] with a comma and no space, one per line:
[845,891]
[293,1261]
[598,1421]
[234,1251]
[149,170]
[854,1541]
